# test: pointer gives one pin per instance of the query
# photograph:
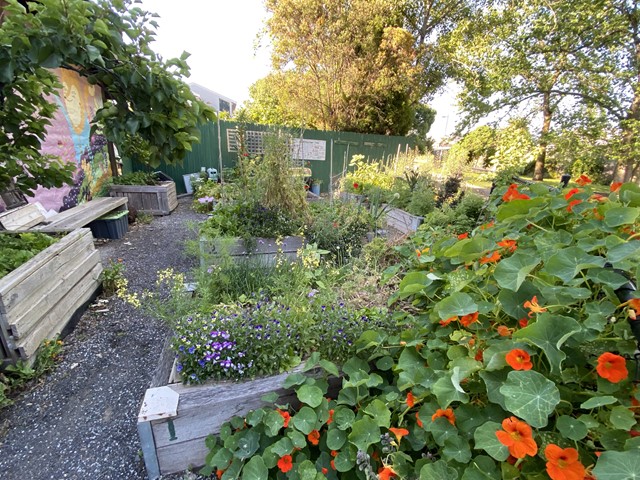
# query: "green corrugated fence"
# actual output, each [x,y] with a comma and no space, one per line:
[327,153]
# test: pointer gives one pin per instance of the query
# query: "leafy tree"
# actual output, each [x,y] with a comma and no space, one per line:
[346,65]
[108,42]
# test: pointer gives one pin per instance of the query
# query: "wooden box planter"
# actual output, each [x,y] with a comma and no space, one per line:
[265,253]
[402,221]
[175,419]
[160,199]
[39,298]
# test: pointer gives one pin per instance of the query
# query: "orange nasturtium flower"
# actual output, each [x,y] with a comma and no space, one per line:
[448,414]
[314,437]
[519,359]
[467,320]
[446,322]
[385,473]
[285,416]
[494,257]
[517,437]
[510,244]
[583,180]
[513,194]
[571,193]
[285,463]
[615,186]
[411,400]
[572,204]
[633,303]
[330,420]
[533,306]
[563,463]
[219,474]
[462,236]
[399,432]
[418,421]
[504,331]
[612,367]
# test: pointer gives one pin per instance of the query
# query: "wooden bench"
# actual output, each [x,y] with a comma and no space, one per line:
[30,218]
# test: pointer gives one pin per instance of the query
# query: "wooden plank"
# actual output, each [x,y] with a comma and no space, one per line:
[148,450]
[9,282]
[53,293]
[17,291]
[83,214]
[21,218]
[153,199]
[57,318]
[204,408]
[163,371]
[179,457]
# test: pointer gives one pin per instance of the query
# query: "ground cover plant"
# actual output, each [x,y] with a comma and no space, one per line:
[16,249]
[515,360]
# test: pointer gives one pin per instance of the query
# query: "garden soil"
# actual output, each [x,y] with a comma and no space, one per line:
[79,422]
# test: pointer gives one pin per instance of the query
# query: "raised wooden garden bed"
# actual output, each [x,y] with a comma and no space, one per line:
[39,298]
[175,419]
[159,199]
[402,221]
[265,253]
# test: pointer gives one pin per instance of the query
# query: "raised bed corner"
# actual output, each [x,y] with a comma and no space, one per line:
[39,298]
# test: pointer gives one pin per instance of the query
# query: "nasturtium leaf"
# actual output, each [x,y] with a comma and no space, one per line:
[441,430]
[329,367]
[282,447]
[271,397]
[384,363]
[233,471]
[221,459]
[596,402]
[336,438]
[623,251]
[518,208]
[513,302]
[255,469]
[614,217]
[438,470]
[379,411]
[629,193]
[344,462]
[294,380]
[562,295]
[456,304]
[273,422]
[512,271]
[589,421]
[571,428]
[457,449]
[298,440]
[632,444]
[485,439]
[598,314]
[364,432]
[417,279]
[307,470]
[355,365]
[618,466]
[493,381]
[248,444]
[530,396]
[566,263]
[481,468]
[549,333]
[310,394]
[343,417]
[622,418]
[607,277]
[446,392]
[305,420]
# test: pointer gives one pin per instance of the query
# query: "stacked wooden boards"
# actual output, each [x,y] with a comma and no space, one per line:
[159,199]
[39,298]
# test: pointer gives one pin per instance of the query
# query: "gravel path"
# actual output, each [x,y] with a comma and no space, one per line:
[80,421]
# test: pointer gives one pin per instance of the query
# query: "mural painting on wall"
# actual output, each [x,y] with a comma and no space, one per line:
[68,137]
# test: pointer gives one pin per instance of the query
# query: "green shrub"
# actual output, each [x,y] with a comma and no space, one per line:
[136,178]
[16,249]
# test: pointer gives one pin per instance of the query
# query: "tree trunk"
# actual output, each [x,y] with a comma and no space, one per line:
[544,134]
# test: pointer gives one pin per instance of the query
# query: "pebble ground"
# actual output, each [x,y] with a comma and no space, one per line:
[79,422]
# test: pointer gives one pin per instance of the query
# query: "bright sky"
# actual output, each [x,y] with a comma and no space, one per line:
[220,35]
